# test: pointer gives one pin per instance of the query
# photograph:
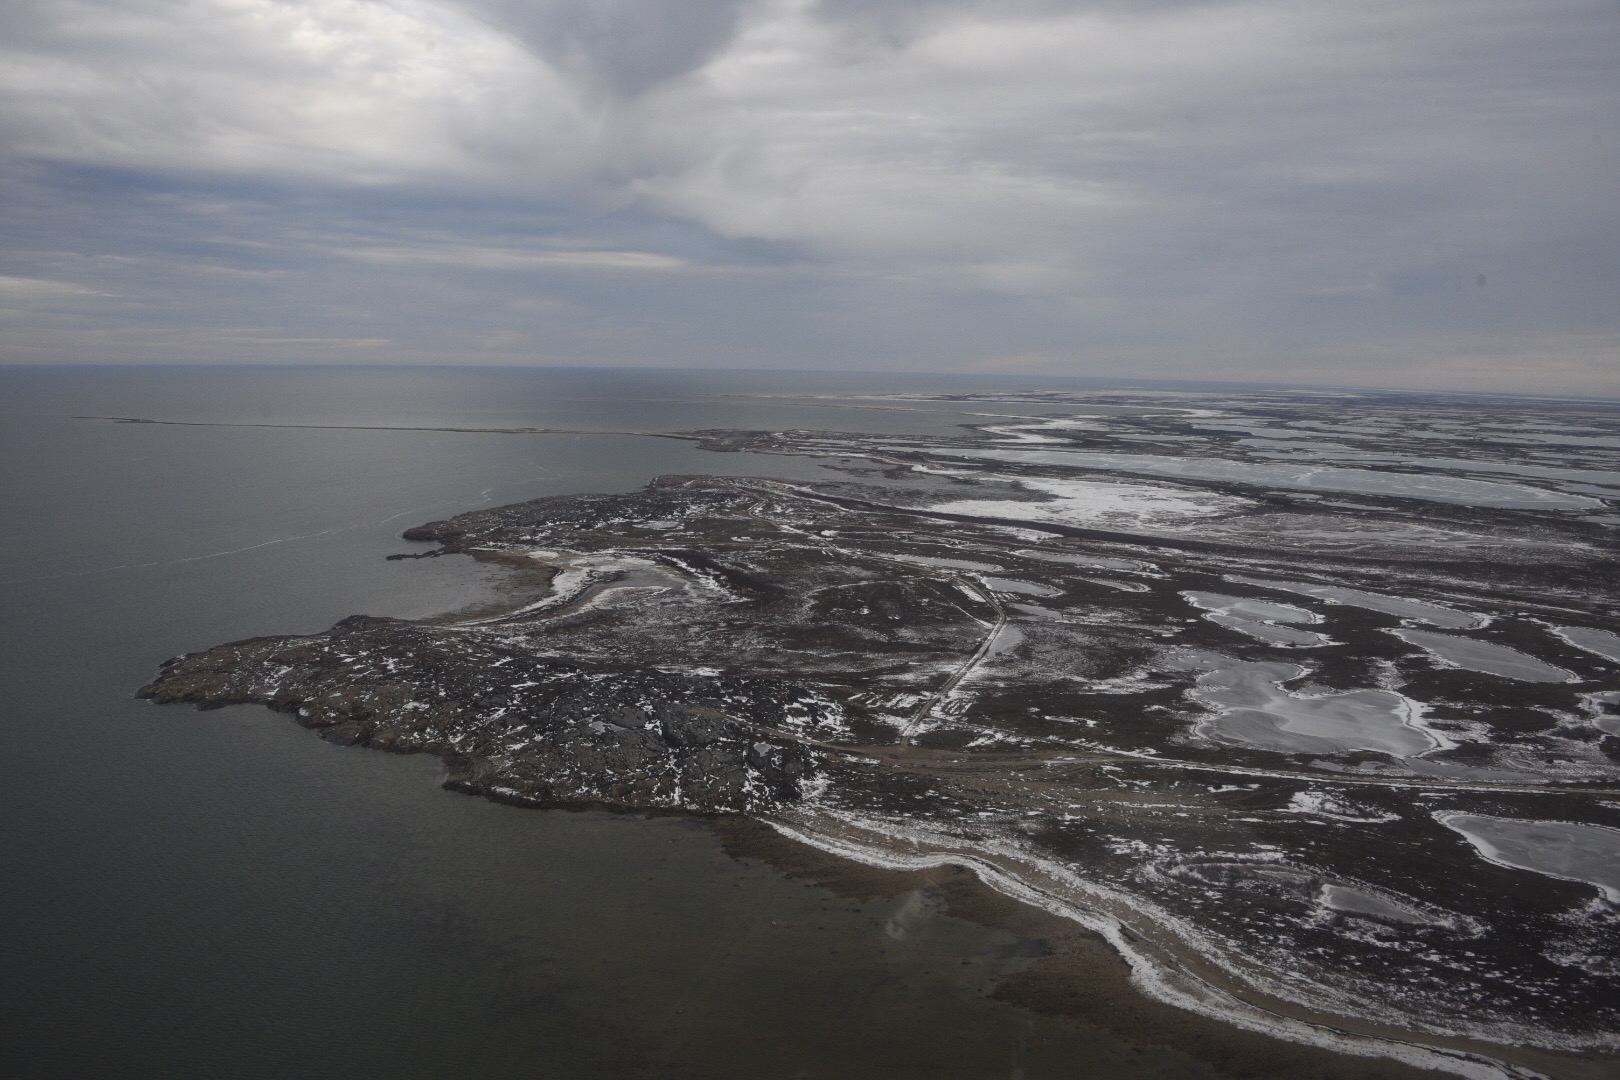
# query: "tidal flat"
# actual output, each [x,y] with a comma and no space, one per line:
[1338,838]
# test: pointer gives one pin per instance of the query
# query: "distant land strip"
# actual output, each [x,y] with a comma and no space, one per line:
[390,427]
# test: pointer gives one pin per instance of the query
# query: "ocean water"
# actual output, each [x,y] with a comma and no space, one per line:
[223,894]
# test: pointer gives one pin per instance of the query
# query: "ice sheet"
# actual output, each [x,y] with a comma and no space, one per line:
[1353,901]
[1248,608]
[1486,656]
[1025,588]
[1259,618]
[1418,610]
[1310,477]
[1560,849]
[944,564]
[1252,709]
[1603,643]
[1271,633]
[1098,504]
[1098,562]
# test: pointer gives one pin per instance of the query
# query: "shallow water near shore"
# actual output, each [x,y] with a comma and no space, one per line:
[225,894]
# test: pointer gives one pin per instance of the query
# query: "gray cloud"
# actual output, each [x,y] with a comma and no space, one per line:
[1209,187]
[627,46]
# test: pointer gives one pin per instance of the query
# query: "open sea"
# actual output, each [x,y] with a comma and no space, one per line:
[223,894]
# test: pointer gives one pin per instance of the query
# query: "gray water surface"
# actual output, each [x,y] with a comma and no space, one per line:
[223,894]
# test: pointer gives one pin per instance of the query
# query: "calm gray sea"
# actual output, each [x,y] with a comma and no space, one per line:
[223,894]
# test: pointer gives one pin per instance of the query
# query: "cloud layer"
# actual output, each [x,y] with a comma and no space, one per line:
[1409,193]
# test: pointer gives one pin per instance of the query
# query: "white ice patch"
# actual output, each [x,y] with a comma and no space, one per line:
[818,712]
[1560,849]
[1400,606]
[1137,682]
[1323,804]
[1603,708]
[1310,477]
[567,585]
[1485,656]
[1097,503]
[699,579]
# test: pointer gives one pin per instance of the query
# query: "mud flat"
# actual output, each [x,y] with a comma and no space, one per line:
[1268,846]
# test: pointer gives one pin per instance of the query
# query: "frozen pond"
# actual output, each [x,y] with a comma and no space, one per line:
[1400,606]
[1097,503]
[1096,562]
[1247,608]
[1007,640]
[1602,478]
[1024,588]
[1259,618]
[1271,633]
[1603,643]
[1252,709]
[1353,901]
[1432,487]
[1485,656]
[944,564]
[1120,586]
[1561,849]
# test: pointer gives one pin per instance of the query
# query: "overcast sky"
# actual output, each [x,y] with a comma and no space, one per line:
[1385,192]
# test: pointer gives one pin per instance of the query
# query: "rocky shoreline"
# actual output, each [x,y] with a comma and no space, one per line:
[624,740]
